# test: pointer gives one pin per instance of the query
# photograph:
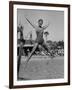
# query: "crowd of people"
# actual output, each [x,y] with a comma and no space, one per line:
[56,47]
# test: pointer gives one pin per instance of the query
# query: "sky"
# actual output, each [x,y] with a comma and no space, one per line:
[54,18]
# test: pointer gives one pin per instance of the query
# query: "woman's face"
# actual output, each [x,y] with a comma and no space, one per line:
[40,22]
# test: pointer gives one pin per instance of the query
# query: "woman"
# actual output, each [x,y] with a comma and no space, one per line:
[39,40]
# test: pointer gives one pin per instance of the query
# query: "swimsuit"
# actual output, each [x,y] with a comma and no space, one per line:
[39,38]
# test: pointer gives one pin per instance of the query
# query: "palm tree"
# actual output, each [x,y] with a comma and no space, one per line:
[46,34]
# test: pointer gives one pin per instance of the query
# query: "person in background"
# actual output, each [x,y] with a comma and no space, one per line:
[22,42]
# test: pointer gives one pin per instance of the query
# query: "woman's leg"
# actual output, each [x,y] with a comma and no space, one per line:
[45,47]
[48,50]
[41,48]
[33,50]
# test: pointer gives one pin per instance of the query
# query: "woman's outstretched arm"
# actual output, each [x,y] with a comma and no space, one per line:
[44,27]
[34,26]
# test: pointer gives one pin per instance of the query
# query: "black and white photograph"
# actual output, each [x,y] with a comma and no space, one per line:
[40,44]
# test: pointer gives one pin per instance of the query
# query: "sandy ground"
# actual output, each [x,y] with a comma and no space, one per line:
[42,68]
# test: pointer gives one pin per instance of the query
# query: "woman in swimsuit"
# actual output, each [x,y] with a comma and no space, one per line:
[39,40]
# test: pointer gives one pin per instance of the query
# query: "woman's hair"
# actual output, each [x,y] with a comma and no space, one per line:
[40,20]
